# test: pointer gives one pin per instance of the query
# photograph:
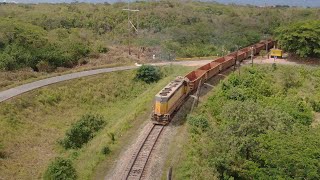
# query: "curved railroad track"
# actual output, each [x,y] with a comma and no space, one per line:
[140,158]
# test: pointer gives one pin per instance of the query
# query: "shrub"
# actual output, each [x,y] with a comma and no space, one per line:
[112,137]
[103,49]
[2,154]
[83,131]
[315,105]
[44,66]
[274,66]
[199,122]
[262,53]
[60,169]
[148,74]
[290,79]
[7,62]
[82,61]
[105,150]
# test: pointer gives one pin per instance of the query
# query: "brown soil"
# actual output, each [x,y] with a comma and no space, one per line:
[289,61]
[316,121]
[120,54]
[306,61]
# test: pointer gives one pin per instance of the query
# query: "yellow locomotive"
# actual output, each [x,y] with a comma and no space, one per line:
[171,97]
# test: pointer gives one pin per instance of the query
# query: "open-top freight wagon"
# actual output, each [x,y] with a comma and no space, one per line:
[171,97]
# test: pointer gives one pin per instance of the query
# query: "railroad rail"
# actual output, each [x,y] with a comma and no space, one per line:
[140,158]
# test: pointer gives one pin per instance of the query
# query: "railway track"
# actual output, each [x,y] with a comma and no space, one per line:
[140,158]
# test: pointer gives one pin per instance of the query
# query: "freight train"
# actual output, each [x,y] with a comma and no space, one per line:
[172,96]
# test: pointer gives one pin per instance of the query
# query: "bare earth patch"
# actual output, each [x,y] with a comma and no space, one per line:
[316,121]
[288,61]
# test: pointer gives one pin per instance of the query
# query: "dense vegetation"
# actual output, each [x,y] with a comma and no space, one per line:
[83,131]
[26,45]
[259,125]
[148,74]
[46,36]
[60,169]
[301,38]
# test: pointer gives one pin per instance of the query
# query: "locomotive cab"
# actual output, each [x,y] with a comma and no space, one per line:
[168,100]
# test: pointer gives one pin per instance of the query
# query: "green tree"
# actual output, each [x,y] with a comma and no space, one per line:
[83,131]
[302,38]
[148,74]
[289,155]
[60,169]
[7,62]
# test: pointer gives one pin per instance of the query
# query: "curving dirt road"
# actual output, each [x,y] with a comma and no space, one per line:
[7,94]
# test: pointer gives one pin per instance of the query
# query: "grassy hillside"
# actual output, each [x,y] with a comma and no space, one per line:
[46,36]
[262,124]
[32,125]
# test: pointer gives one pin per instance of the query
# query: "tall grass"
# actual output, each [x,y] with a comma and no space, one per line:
[32,124]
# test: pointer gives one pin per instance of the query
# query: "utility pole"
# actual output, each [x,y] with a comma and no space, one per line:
[223,49]
[169,175]
[252,56]
[235,63]
[266,45]
[266,28]
[130,24]
[196,96]
[238,47]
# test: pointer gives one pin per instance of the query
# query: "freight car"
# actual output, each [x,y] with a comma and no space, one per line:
[171,97]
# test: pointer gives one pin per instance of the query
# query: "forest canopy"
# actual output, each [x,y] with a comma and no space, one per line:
[54,35]
[27,45]
[257,125]
[302,38]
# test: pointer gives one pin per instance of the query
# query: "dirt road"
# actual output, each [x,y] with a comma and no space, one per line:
[10,93]
[270,61]
[7,94]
